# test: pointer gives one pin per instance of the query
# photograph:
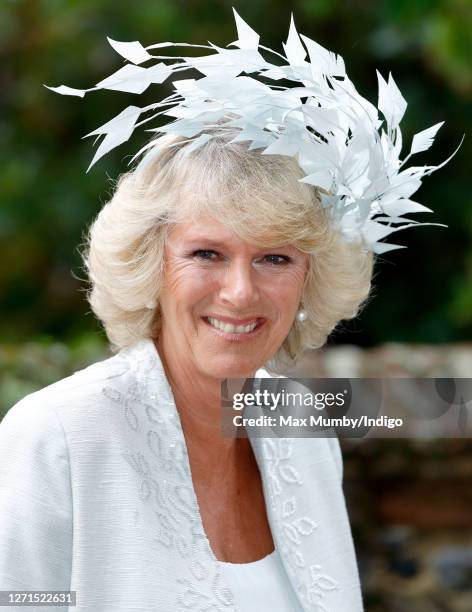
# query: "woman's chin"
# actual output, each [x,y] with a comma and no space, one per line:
[230,367]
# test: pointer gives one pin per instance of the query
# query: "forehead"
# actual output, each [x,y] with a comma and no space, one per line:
[200,228]
[208,230]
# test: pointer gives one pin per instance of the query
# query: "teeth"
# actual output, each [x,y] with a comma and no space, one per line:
[232,329]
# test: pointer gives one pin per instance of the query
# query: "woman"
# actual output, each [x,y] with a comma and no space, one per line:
[116,482]
[210,261]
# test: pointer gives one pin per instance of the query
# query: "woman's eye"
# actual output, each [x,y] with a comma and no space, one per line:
[277,260]
[205,254]
[271,259]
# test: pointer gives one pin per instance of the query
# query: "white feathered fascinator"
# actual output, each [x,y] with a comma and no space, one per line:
[341,144]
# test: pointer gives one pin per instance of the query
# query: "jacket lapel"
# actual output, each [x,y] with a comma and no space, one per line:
[289,508]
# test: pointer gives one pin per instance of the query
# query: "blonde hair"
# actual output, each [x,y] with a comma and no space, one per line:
[258,196]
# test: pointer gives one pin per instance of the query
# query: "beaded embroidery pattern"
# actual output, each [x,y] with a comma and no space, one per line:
[166,483]
[292,534]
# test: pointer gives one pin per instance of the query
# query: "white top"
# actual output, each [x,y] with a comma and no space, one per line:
[261,586]
[97,497]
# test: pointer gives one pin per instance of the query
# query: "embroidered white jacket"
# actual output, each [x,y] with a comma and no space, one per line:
[96,496]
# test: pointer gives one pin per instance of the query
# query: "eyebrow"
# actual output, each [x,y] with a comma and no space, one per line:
[217,244]
[206,241]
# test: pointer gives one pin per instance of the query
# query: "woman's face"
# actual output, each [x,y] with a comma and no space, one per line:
[227,305]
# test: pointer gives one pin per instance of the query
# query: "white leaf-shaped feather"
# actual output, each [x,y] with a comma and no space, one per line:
[402,206]
[404,186]
[294,50]
[391,102]
[282,146]
[423,140]
[247,37]
[132,51]
[183,127]
[116,123]
[372,232]
[323,61]
[383,247]
[322,178]
[117,131]
[135,79]
[69,91]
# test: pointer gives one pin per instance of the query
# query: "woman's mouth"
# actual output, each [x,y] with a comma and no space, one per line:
[235,331]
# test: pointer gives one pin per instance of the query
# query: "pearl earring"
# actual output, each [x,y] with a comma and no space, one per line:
[301,315]
[151,305]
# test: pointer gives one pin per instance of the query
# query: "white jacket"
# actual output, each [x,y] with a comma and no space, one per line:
[96,496]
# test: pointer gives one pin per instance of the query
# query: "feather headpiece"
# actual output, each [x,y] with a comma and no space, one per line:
[340,142]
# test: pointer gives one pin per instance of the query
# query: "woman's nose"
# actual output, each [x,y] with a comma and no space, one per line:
[239,288]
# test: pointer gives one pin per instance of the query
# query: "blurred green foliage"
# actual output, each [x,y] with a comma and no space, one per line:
[423,293]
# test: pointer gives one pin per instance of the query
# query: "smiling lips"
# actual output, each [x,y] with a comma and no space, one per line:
[233,326]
